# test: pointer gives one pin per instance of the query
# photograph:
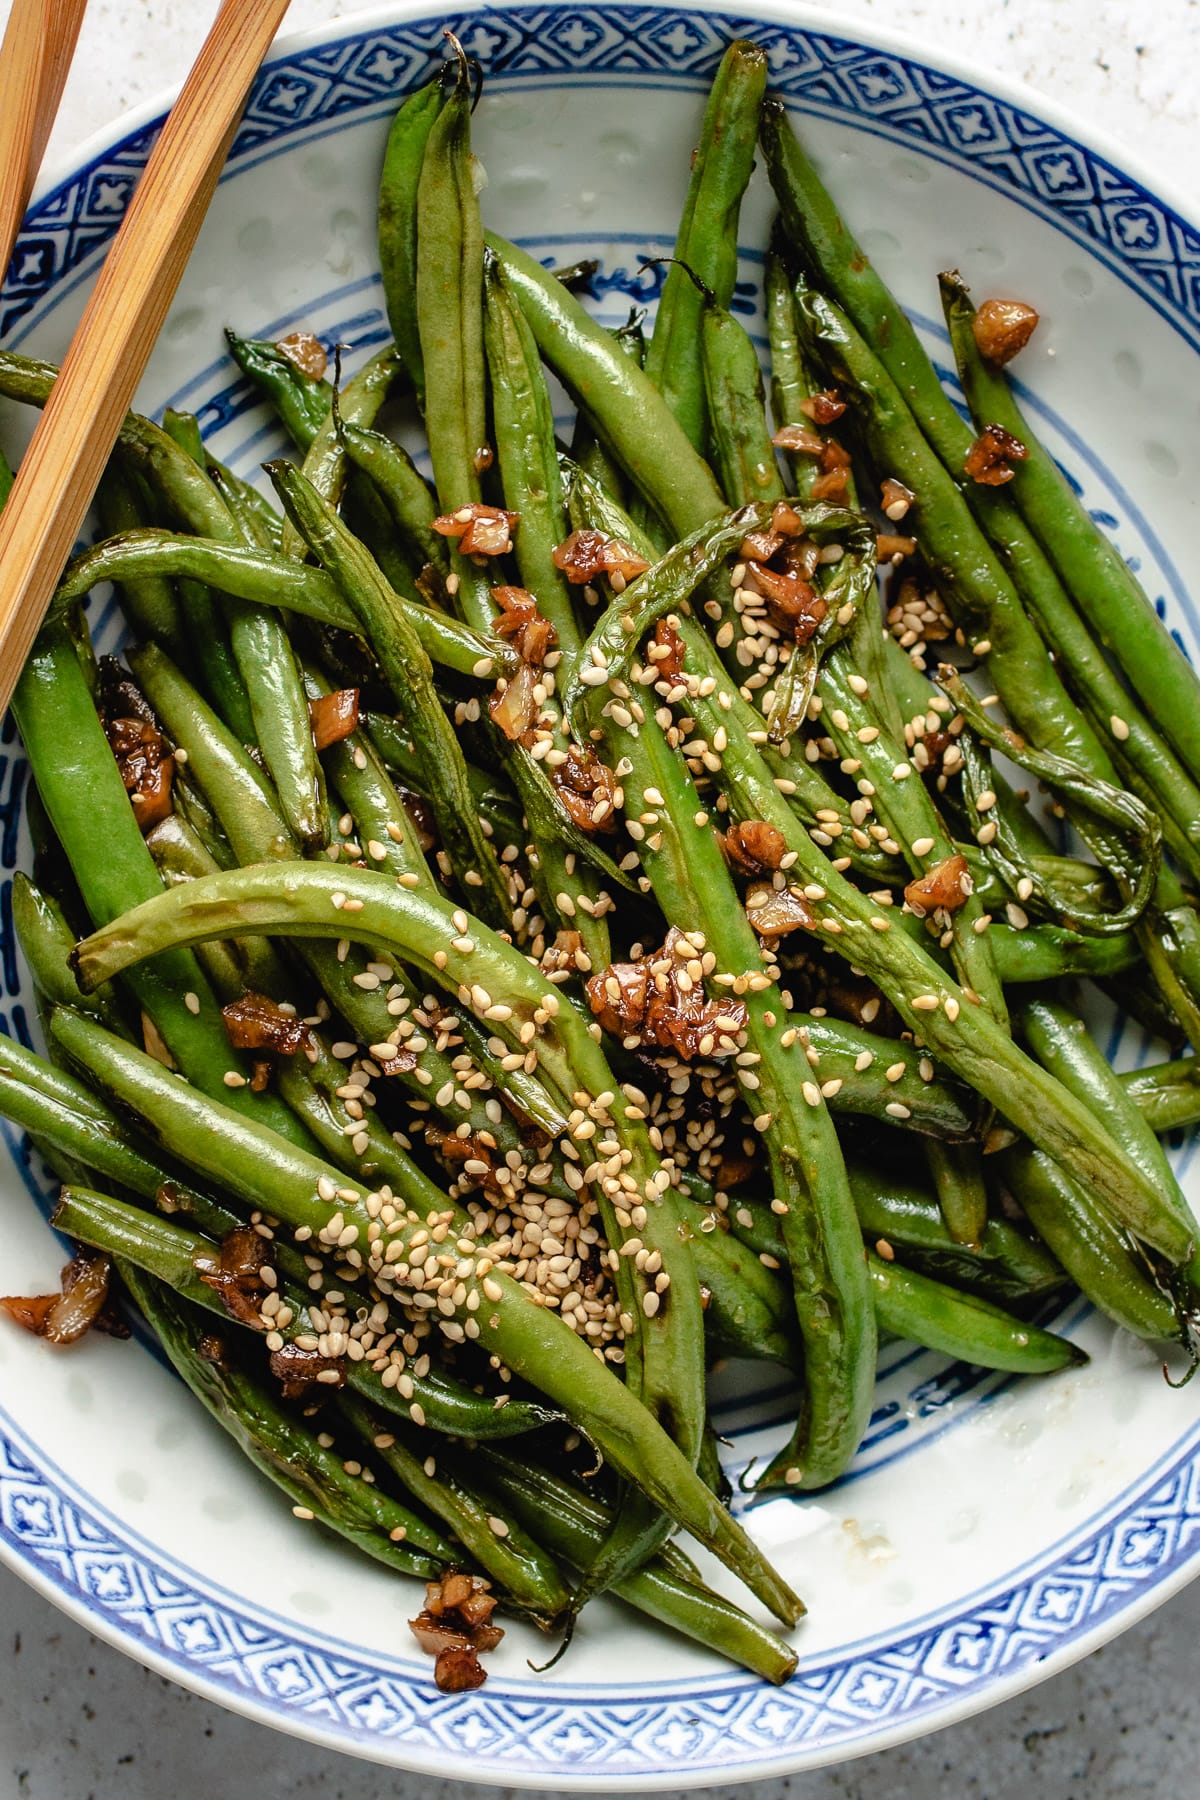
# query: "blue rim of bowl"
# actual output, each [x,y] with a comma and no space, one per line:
[1073,1596]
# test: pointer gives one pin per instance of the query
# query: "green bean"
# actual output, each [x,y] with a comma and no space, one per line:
[789,380]
[410,676]
[528,458]
[747,1312]
[510,1556]
[531,1340]
[256,518]
[403,490]
[1100,580]
[733,387]
[1061,1042]
[1096,1253]
[913,1305]
[627,410]
[906,808]
[449,313]
[957,1173]
[147,600]
[278,1444]
[271,677]
[523,423]
[1134,742]
[206,635]
[708,233]
[57,1109]
[271,580]
[574,1525]
[325,459]
[1003,1262]
[962,1325]
[398,189]
[85,797]
[494,803]
[1166,1094]
[300,399]
[1115,811]
[46,941]
[250,815]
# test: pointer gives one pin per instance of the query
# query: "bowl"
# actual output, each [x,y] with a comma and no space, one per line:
[990,1530]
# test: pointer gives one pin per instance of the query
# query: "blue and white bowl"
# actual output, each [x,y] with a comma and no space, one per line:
[991,1530]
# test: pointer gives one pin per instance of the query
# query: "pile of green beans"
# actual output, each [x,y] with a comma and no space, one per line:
[661,967]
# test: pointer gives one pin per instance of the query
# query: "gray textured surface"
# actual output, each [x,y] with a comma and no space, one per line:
[77,1718]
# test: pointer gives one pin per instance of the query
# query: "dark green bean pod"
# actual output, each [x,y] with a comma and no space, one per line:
[409,674]
[325,459]
[148,601]
[58,1110]
[962,1325]
[789,382]
[403,490]
[493,801]
[85,797]
[271,677]
[205,629]
[282,1447]
[397,220]
[493,1536]
[1096,1253]
[1121,812]
[1166,1094]
[622,402]
[708,234]
[1061,1042]
[449,313]
[574,1525]
[271,580]
[747,1310]
[927,1311]
[1098,578]
[957,1172]
[300,399]
[46,942]
[742,450]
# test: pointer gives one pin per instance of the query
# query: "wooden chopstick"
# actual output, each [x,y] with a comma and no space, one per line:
[39,42]
[100,372]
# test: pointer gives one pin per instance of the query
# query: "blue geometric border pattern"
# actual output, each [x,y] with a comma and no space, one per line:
[661,1735]
[722,1723]
[1087,197]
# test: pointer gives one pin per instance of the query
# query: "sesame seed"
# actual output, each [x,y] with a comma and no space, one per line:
[232,1079]
[303,1512]
[897,1110]
[926,1002]
[192,1002]
[922,846]
[1118,727]
[985,801]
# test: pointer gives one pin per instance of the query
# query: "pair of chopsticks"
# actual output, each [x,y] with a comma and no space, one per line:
[100,372]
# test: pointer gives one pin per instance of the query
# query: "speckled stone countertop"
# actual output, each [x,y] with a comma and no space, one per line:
[77,1718]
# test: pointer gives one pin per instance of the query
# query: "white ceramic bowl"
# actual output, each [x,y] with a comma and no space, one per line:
[991,1530]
